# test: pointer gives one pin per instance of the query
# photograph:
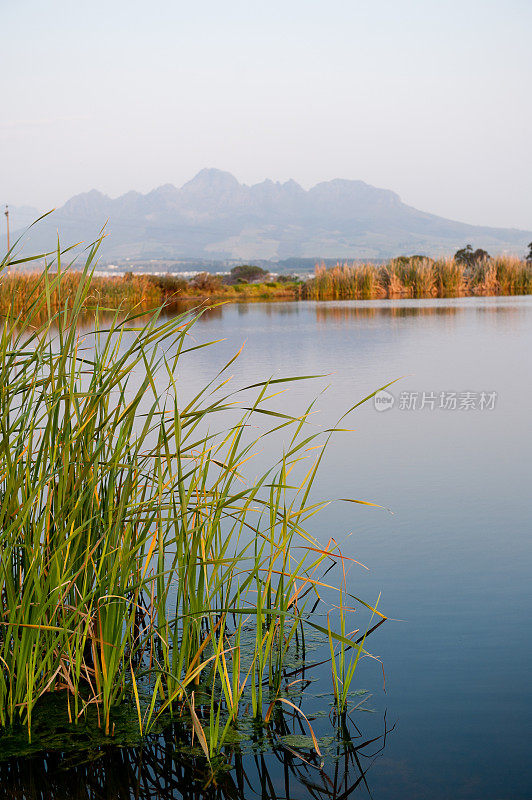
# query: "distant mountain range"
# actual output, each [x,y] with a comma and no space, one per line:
[215,217]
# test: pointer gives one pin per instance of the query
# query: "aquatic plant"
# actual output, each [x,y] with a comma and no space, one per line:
[412,277]
[345,656]
[417,276]
[164,766]
[18,292]
[140,564]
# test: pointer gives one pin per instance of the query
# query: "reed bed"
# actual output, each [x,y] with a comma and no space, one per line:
[18,291]
[140,565]
[142,292]
[402,277]
[420,277]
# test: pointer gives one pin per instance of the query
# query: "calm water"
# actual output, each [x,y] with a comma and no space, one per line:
[453,560]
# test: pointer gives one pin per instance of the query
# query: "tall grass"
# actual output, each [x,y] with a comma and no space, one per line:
[19,290]
[401,277]
[130,291]
[420,277]
[139,564]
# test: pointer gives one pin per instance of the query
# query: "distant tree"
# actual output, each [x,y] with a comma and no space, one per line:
[248,273]
[469,257]
[286,278]
[401,261]
[419,258]
[405,261]
[529,254]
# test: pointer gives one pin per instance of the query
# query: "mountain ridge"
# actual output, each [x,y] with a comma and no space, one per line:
[215,216]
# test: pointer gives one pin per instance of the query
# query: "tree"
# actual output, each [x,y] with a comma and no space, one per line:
[469,257]
[411,261]
[529,254]
[248,273]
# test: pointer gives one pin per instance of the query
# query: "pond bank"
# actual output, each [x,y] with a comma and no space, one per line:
[408,278]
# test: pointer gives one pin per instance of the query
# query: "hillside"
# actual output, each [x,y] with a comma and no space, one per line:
[215,217]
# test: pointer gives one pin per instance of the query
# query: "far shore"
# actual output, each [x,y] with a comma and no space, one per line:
[402,278]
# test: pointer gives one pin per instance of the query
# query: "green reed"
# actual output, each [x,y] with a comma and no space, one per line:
[346,651]
[139,563]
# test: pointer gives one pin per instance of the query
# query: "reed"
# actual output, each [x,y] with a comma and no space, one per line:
[19,290]
[342,282]
[513,276]
[418,277]
[136,553]
[345,657]
[450,279]
[415,277]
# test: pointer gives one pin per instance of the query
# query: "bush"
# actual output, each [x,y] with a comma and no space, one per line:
[206,282]
[248,273]
[168,284]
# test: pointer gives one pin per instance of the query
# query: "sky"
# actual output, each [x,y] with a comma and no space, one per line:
[428,98]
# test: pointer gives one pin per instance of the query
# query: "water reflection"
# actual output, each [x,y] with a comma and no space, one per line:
[349,312]
[352,310]
[158,770]
[346,311]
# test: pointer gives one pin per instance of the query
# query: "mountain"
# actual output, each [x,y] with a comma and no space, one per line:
[213,216]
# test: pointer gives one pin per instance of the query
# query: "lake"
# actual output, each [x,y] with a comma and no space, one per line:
[453,561]
[450,459]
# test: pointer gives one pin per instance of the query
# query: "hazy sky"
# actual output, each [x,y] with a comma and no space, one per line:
[431,98]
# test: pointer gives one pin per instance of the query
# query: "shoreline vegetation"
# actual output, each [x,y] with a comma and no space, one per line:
[145,567]
[401,278]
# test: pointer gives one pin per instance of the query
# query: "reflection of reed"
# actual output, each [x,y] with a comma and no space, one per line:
[208,306]
[346,312]
[158,770]
[352,755]
[326,311]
